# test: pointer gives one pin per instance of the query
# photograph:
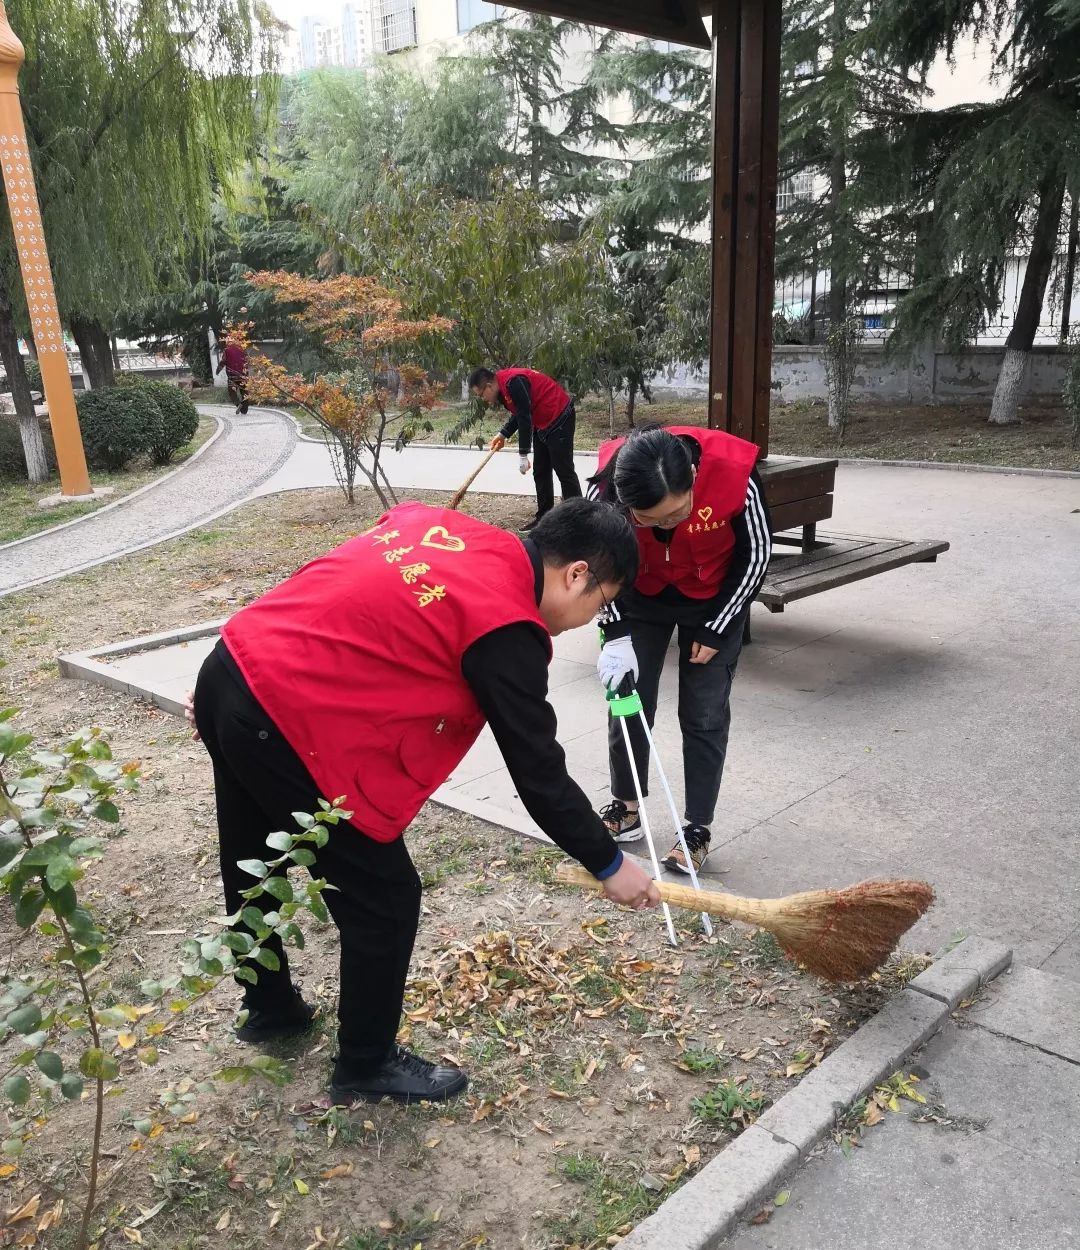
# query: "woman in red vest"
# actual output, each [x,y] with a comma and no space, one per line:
[537,404]
[703,534]
[369,674]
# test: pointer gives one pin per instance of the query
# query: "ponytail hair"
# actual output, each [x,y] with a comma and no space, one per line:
[652,464]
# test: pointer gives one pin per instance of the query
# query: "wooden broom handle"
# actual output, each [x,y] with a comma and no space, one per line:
[462,490]
[730,906]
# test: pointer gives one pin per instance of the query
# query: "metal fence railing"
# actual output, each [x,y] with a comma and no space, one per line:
[803,297]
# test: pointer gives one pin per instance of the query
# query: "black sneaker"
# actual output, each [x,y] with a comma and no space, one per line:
[266,1024]
[405,1077]
[529,525]
[244,408]
[697,843]
[623,824]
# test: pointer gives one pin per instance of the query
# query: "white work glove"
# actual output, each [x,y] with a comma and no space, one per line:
[617,658]
[523,465]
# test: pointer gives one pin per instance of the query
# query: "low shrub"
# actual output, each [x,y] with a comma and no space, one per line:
[118,423]
[179,420]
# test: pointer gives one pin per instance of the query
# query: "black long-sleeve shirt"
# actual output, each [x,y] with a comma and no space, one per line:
[710,617]
[507,670]
[520,419]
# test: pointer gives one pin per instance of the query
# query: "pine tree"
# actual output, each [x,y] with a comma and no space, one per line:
[656,204]
[989,179]
[530,57]
[833,89]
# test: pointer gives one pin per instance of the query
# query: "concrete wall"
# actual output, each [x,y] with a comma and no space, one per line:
[928,377]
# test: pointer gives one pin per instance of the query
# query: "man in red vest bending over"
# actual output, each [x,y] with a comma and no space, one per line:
[369,674]
[537,404]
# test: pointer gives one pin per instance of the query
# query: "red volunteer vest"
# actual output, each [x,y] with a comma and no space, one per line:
[549,400]
[699,553]
[357,656]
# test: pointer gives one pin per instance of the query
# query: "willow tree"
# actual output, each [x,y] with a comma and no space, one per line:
[134,109]
[347,134]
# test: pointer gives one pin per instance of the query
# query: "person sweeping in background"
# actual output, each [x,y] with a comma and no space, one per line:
[538,406]
[698,510]
[369,674]
[235,363]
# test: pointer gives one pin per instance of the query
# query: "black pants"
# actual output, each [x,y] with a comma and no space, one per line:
[259,781]
[236,385]
[553,449]
[704,714]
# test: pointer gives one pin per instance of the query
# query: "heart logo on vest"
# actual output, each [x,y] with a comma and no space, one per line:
[442,540]
[704,513]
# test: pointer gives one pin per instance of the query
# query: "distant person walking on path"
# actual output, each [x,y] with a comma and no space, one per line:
[536,403]
[698,508]
[235,363]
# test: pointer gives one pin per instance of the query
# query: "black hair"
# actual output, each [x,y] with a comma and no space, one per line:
[480,377]
[652,464]
[586,529]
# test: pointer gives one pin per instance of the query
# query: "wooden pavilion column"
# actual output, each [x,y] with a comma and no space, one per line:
[746,118]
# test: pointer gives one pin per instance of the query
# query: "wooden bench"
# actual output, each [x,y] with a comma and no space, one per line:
[837,560]
[799,492]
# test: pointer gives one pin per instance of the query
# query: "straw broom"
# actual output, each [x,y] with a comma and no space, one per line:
[462,490]
[841,935]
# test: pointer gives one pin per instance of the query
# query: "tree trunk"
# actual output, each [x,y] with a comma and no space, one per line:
[114,352]
[611,411]
[31,344]
[631,400]
[534,154]
[838,279]
[1003,411]
[37,464]
[1070,265]
[95,351]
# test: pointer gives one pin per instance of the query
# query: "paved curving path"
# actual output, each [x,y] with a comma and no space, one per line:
[244,454]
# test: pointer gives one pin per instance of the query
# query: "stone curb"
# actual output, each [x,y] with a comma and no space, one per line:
[1008,470]
[94,665]
[749,1172]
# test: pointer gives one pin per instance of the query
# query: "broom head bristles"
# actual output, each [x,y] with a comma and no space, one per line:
[841,935]
[844,935]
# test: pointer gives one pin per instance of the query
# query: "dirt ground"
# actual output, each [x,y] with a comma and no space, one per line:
[948,433]
[944,433]
[606,1067]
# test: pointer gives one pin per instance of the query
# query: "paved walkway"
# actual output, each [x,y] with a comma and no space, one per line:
[998,1165]
[248,450]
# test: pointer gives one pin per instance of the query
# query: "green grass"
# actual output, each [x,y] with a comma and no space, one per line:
[20,515]
[611,1202]
[731,1105]
[406,1234]
[697,1059]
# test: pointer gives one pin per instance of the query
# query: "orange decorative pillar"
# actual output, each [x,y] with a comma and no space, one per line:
[36,273]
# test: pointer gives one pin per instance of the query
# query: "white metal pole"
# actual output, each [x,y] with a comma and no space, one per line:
[705,919]
[645,826]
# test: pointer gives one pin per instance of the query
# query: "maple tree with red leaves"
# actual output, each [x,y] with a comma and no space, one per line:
[371,387]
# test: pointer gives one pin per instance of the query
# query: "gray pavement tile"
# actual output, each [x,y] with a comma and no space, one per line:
[1018,1096]
[1035,1007]
[910,1187]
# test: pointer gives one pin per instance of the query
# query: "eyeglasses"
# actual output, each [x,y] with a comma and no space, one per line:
[668,522]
